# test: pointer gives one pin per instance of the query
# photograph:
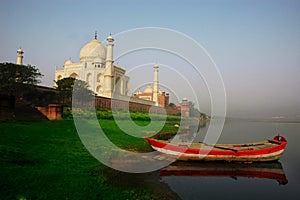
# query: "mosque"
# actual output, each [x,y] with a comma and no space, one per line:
[96,67]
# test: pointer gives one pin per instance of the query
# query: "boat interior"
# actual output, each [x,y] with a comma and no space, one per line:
[234,147]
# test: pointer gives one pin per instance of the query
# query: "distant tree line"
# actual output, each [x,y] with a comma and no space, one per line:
[194,112]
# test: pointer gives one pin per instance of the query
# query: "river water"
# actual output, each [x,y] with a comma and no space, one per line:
[263,182]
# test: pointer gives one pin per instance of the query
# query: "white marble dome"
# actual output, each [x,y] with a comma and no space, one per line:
[93,49]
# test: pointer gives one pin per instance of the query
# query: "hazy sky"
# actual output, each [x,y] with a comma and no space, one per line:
[255,44]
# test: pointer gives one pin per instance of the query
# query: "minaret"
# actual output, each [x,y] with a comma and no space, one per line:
[108,74]
[20,56]
[155,85]
[109,53]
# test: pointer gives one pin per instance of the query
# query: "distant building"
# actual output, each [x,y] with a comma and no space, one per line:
[153,93]
[185,108]
[97,68]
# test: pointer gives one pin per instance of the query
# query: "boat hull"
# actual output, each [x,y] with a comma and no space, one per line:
[230,158]
[224,153]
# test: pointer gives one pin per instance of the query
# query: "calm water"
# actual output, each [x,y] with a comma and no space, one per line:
[226,187]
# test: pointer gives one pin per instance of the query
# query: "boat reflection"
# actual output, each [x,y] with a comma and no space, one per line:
[270,170]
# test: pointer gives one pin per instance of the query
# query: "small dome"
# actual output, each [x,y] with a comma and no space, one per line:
[148,89]
[93,49]
[68,62]
[139,92]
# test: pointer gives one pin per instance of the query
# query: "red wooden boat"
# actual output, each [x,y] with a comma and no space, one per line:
[268,150]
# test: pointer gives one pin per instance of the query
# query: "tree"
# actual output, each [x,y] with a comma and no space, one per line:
[194,112]
[172,105]
[65,87]
[17,80]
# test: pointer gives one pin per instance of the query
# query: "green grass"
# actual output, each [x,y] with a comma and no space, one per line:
[46,160]
[128,142]
[136,116]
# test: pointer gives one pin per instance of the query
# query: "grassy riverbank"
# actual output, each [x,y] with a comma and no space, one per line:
[46,160]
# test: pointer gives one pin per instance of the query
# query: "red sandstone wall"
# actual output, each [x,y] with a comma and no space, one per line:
[52,111]
[106,103]
[138,105]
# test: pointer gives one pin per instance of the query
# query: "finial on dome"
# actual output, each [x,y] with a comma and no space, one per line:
[20,50]
[95,35]
[110,38]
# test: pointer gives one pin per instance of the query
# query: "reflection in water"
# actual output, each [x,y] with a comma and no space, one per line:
[149,181]
[191,133]
[185,134]
[271,170]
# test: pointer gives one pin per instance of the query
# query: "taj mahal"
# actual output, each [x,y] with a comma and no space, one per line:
[96,67]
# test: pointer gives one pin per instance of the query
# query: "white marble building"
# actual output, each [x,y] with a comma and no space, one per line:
[96,67]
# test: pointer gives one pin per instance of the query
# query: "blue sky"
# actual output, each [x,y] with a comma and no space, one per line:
[255,44]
